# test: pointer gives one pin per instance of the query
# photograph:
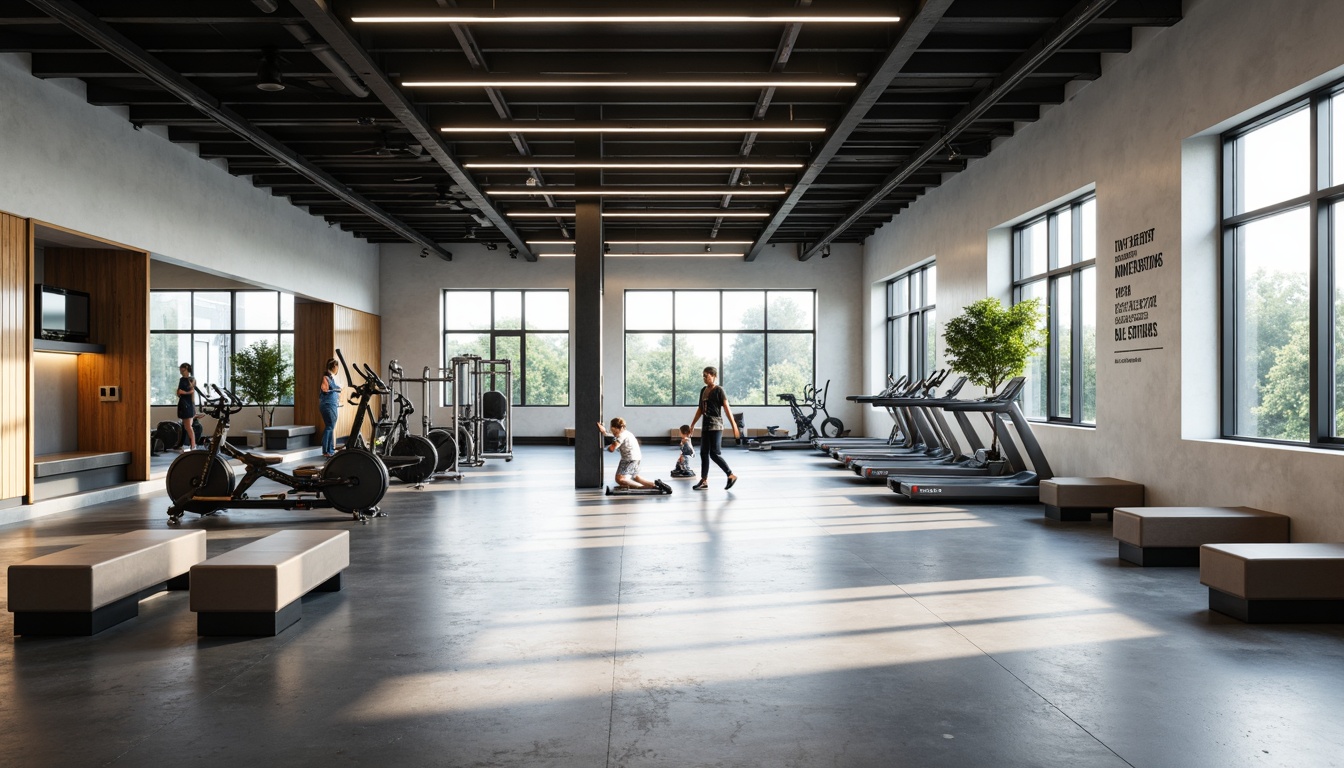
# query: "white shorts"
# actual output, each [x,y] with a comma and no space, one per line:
[627,468]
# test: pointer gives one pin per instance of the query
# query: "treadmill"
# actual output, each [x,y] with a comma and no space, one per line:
[1020,486]
[894,439]
[959,465]
[908,435]
[934,441]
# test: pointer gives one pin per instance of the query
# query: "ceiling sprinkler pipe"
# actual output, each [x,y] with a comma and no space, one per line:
[327,56]
[267,6]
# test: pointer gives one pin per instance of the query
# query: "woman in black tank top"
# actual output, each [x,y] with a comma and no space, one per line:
[714,407]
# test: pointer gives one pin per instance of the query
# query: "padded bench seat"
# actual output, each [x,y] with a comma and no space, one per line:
[1076,499]
[1165,536]
[1275,583]
[288,437]
[86,589]
[59,474]
[257,589]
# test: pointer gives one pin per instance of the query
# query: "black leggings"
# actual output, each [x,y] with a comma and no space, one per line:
[711,447]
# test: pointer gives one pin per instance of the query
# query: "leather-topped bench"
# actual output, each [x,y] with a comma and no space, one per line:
[257,589]
[288,437]
[86,589]
[1172,536]
[1076,499]
[1275,583]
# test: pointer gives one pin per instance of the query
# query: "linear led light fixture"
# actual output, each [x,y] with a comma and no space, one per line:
[524,127]
[702,254]
[504,83]
[638,243]
[644,214]
[618,165]
[632,192]
[625,19]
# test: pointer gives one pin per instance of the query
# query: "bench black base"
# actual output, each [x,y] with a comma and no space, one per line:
[1076,514]
[57,623]
[1277,611]
[1172,557]
[258,623]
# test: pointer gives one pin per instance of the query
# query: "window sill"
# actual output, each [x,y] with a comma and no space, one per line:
[1318,450]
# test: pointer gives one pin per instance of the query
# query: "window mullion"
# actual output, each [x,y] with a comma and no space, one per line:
[1076,388]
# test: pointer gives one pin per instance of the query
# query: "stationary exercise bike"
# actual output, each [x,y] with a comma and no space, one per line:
[804,432]
[409,458]
[352,481]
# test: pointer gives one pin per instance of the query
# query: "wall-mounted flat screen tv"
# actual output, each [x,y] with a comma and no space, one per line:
[62,314]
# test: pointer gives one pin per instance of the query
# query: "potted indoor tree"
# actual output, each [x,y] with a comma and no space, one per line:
[990,344]
[262,375]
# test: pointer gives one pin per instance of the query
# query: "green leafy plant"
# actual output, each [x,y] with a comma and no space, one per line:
[991,344]
[263,375]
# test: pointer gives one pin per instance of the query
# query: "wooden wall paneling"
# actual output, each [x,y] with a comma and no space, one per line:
[359,337]
[118,286]
[314,344]
[15,357]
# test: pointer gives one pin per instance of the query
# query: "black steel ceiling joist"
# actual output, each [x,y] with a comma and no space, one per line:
[331,30]
[914,30]
[99,33]
[1069,25]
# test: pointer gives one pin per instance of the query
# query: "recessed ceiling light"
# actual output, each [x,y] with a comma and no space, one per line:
[645,214]
[647,242]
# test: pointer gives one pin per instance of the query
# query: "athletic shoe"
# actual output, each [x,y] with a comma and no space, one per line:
[732,479]
[700,486]
[664,487]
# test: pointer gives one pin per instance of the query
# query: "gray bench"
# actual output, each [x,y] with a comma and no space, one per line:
[86,589]
[59,474]
[1172,536]
[1076,499]
[1275,583]
[257,589]
[288,437]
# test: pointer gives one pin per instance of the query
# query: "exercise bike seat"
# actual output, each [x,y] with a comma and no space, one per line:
[267,459]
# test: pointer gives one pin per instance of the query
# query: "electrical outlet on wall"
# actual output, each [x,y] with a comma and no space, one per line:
[109,394]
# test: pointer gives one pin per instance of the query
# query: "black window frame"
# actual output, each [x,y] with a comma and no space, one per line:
[917,329]
[1051,276]
[765,331]
[233,330]
[519,367]
[1319,202]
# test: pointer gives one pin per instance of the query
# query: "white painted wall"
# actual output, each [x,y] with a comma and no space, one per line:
[1137,134]
[86,168]
[412,333]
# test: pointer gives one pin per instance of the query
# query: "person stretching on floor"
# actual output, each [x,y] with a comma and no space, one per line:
[714,407]
[627,471]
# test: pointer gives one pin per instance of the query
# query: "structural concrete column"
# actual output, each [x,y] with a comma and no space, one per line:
[588,287]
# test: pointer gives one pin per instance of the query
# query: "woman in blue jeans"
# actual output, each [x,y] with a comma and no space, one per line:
[714,407]
[329,403]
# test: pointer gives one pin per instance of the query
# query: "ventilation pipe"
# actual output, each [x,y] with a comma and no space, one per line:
[327,56]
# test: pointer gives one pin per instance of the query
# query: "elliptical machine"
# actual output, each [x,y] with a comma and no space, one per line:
[352,481]
[814,402]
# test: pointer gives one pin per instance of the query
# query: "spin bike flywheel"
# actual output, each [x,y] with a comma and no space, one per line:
[365,479]
[415,445]
[184,474]
[446,447]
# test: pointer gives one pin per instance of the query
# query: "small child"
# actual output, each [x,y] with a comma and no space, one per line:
[627,471]
[683,468]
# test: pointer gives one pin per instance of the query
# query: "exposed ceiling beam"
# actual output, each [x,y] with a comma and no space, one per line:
[96,31]
[916,27]
[1064,30]
[330,29]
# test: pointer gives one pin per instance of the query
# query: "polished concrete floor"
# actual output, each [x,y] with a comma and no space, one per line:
[801,619]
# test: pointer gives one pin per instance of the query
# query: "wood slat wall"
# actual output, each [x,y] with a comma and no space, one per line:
[319,330]
[118,286]
[15,357]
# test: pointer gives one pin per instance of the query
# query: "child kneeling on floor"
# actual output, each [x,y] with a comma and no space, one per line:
[683,468]
[627,471]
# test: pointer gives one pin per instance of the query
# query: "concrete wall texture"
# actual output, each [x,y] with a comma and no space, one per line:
[86,168]
[413,332]
[1145,137]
